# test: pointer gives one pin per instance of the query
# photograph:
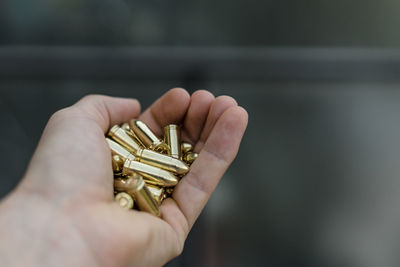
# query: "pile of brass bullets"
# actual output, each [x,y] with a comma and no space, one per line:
[146,169]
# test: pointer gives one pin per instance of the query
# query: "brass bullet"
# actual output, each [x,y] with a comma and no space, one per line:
[143,196]
[127,185]
[126,127]
[117,149]
[124,200]
[129,131]
[172,137]
[144,155]
[186,147]
[157,192]
[162,161]
[147,137]
[152,174]
[169,191]
[190,157]
[121,137]
[124,185]
[117,163]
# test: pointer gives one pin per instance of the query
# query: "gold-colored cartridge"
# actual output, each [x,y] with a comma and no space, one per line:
[157,192]
[153,175]
[147,169]
[147,137]
[147,156]
[117,163]
[172,137]
[124,185]
[120,136]
[162,161]
[190,157]
[124,200]
[143,196]
[186,147]
[129,131]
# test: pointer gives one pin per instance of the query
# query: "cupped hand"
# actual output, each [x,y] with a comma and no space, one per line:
[63,213]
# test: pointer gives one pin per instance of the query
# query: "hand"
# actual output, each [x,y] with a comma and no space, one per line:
[63,213]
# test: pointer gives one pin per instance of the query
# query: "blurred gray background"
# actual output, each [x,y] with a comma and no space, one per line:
[316,181]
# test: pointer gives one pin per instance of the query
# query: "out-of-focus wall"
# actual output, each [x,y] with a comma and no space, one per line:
[315,182]
[206,22]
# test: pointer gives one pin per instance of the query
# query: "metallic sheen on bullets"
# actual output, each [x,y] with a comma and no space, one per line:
[121,137]
[186,147]
[153,175]
[172,137]
[143,196]
[190,157]
[162,161]
[147,137]
[124,185]
[118,150]
[126,127]
[169,191]
[117,163]
[147,156]
[127,185]
[157,192]
[124,200]
[129,131]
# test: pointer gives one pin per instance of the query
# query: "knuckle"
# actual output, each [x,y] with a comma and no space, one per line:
[91,98]
[178,249]
[226,98]
[203,93]
[60,114]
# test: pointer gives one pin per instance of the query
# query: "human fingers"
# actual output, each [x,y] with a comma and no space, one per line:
[168,109]
[200,103]
[107,111]
[221,147]
[73,146]
[217,108]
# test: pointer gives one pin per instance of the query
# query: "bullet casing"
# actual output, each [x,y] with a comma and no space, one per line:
[143,155]
[118,156]
[143,174]
[126,127]
[124,200]
[143,196]
[120,151]
[128,185]
[169,191]
[117,163]
[186,147]
[129,131]
[190,157]
[147,137]
[124,185]
[162,161]
[153,175]
[172,137]
[157,192]
[121,137]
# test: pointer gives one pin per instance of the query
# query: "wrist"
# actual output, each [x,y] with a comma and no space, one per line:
[30,230]
[21,229]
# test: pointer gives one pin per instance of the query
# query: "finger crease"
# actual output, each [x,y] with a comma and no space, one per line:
[108,113]
[216,156]
[194,180]
[186,230]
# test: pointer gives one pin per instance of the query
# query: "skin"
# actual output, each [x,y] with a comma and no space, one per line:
[63,214]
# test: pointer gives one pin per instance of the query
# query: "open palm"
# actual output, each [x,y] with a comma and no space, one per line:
[70,180]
